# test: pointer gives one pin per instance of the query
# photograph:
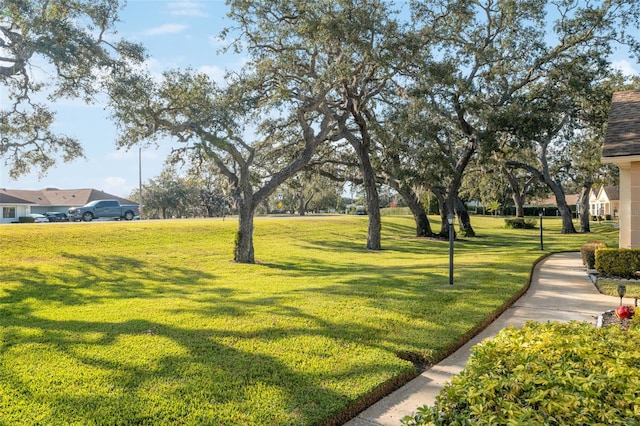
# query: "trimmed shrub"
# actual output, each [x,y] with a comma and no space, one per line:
[519,223]
[26,219]
[553,373]
[588,252]
[395,211]
[615,262]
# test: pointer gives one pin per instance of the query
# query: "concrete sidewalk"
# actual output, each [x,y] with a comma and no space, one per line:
[560,291]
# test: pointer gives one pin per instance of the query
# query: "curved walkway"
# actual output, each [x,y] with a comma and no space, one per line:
[560,291]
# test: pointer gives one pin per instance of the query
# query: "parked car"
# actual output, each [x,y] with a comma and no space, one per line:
[99,209]
[39,218]
[57,217]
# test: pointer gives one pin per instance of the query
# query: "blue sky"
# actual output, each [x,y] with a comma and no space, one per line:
[176,34]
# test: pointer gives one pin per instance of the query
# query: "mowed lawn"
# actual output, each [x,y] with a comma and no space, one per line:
[152,323]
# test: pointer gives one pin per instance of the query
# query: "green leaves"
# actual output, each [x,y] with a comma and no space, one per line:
[553,373]
[68,37]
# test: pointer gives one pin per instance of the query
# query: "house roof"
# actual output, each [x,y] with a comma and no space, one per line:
[56,197]
[11,199]
[571,199]
[623,131]
[612,192]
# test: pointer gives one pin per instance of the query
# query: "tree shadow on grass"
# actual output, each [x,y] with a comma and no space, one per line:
[168,372]
[202,376]
[416,291]
[139,372]
[114,277]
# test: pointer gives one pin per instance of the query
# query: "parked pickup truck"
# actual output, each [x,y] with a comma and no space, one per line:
[99,209]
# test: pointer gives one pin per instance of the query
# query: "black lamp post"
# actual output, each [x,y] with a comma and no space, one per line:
[541,241]
[622,289]
[450,218]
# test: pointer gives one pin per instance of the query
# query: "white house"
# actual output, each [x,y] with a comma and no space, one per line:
[11,208]
[605,202]
[15,203]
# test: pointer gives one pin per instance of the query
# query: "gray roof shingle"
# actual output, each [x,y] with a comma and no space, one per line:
[54,197]
[623,131]
[613,192]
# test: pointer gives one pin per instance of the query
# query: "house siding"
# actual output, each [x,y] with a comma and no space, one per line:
[634,205]
[629,236]
[18,210]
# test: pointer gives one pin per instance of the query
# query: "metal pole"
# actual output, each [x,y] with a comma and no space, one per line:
[541,241]
[450,218]
[140,179]
[3,141]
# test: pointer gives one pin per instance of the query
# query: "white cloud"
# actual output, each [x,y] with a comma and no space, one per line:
[165,29]
[625,66]
[187,8]
[214,72]
[155,67]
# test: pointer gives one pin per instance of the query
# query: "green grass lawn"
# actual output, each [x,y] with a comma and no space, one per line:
[152,323]
[609,286]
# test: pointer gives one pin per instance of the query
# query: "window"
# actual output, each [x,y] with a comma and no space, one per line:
[107,203]
[9,213]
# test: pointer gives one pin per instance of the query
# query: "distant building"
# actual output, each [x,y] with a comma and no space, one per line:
[550,203]
[15,203]
[605,202]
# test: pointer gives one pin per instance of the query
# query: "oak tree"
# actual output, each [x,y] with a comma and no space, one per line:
[51,49]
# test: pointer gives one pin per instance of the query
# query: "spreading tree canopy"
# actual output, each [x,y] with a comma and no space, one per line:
[51,49]
[490,54]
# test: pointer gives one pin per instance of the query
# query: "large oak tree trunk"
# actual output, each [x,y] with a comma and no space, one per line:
[243,251]
[303,204]
[440,192]
[373,205]
[516,193]
[544,175]
[464,220]
[302,210]
[585,214]
[518,202]
[362,145]
[563,208]
[423,227]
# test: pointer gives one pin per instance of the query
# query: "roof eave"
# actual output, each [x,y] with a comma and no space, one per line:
[622,160]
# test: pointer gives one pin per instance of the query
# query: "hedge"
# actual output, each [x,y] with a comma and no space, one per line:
[614,262]
[519,223]
[553,373]
[588,252]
